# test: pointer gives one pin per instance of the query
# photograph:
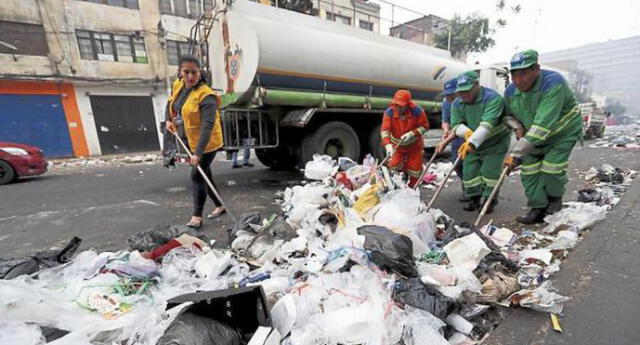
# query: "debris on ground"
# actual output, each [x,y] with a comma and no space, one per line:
[149,158]
[620,137]
[352,258]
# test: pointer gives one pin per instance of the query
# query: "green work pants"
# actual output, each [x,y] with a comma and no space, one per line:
[544,172]
[481,169]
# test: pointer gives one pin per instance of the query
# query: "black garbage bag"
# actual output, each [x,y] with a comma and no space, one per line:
[191,329]
[150,239]
[589,195]
[414,293]
[13,267]
[169,147]
[392,252]
[614,176]
[245,223]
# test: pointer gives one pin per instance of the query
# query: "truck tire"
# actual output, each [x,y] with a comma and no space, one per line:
[278,158]
[375,143]
[7,174]
[335,139]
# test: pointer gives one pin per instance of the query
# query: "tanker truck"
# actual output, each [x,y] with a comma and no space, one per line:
[293,85]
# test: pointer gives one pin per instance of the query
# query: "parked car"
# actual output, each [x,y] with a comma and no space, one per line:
[20,160]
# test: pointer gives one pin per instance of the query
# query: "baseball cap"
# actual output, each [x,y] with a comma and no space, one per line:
[450,87]
[466,81]
[523,59]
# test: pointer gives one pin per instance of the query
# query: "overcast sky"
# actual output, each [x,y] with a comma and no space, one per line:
[545,25]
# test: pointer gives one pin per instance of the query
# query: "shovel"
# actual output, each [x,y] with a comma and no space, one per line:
[206,179]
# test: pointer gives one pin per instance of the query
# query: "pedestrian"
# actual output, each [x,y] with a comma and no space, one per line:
[477,116]
[246,155]
[403,125]
[194,104]
[544,104]
[449,136]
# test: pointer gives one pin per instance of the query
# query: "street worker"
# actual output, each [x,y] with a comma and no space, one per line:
[477,116]
[547,109]
[449,136]
[194,103]
[403,125]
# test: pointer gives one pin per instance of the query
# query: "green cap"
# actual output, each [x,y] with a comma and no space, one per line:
[466,80]
[524,59]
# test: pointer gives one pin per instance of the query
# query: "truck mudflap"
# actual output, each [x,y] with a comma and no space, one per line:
[253,127]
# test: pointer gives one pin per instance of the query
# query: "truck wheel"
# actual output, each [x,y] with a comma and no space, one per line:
[278,158]
[375,143]
[335,139]
[7,174]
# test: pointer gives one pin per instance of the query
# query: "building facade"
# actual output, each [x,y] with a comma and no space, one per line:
[421,30]
[612,65]
[91,77]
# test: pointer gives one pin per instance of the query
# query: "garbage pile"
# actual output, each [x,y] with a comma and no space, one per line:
[621,137]
[605,185]
[353,258]
[149,158]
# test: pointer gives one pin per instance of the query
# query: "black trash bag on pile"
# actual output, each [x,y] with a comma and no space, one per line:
[614,176]
[14,267]
[390,251]
[150,239]
[412,292]
[191,329]
[245,223]
[589,195]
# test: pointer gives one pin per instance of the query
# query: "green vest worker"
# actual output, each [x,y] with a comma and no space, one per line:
[543,103]
[477,116]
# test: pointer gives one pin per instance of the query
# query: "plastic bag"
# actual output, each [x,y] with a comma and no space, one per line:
[466,251]
[390,251]
[367,200]
[567,239]
[422,328]
[247,224]
[346,163]
[359,175]
[212,264]
[414,293]
[577,214]
[402,211]
[11,268]
[20,333]
[148,240]
[321,167]
[543,298]
[191,329]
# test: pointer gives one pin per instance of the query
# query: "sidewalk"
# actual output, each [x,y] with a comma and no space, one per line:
[602,277]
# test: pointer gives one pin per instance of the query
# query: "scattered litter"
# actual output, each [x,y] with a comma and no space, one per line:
[321,167]
[555,323]
[542,298]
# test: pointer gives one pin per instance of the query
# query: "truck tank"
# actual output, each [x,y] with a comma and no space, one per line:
[256,45]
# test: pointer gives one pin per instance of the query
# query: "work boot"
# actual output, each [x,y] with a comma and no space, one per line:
[535,215]
[493,205]
[463,198]
[555,204]
[473,204]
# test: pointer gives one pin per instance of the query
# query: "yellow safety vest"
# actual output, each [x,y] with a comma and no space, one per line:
[191,115]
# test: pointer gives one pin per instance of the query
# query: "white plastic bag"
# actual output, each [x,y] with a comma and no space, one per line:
[321,167]
[402,212]
[579,214]
[212,264]
[422,328]
[467,251]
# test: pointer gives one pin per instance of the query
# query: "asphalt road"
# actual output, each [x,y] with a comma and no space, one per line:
[104,205]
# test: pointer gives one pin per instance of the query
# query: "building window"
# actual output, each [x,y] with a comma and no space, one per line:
[175,49]
[366,25]
[133,4]
[338,18]
[22,39]
[105,46]
[186,8]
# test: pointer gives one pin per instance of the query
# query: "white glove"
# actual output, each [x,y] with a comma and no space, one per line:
[389,149]
[407,137]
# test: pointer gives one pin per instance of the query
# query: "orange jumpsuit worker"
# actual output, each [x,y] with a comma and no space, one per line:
[403,125]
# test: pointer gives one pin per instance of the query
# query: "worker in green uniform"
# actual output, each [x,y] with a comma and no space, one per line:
[477,116]
[547,109]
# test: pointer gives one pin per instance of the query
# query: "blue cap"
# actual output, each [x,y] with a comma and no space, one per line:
[450,87]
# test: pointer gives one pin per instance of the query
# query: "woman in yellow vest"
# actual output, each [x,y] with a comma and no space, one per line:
[193,101]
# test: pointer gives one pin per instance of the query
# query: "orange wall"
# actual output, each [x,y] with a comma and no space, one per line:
[71,112]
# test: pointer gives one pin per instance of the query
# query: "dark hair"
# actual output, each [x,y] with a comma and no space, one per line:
[189,58]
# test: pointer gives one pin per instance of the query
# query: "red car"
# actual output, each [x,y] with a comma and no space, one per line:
[19,160]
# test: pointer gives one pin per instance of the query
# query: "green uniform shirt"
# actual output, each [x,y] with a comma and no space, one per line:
[487,111]
[549,111]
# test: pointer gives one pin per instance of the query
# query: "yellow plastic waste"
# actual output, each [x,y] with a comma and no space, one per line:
[367,200]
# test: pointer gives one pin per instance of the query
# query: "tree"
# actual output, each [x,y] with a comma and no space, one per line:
[470,34]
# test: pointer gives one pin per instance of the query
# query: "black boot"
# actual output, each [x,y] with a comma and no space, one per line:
[493,205]
[473,204]
[535,215]
[463,198]
[555,204]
